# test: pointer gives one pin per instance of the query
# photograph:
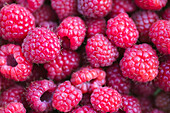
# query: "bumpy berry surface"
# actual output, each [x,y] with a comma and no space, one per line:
[143,21]
[66,97]
[146,104]
[73,30]
[140,63]
[94,8]
[15,22]
[13,64]
[100,52]
[166,14]
[151,4]
[84,109]
[63,65]
[39,95]
[64,8]
[116,80]
[14,107]
[87,78]
[160,35]
[40,46]
[106,99]
[52,26]
[122,31]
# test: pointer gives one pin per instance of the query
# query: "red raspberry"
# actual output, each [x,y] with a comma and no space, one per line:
[130,104]
[4,2]
[116,80]
[13,64]
[143,21]
[160,35]
[100,52]
[72,29]
[122,31]
[15,22]
[140,63]
[64,8]
[85,99]
[63,65]
[52,26]
[39,95]
[151,4]
[5,83]
[106,99]
[87,78]
[156,111]
[66,97]
[41,46]
[84,109]
[95,26]
[94,8]
[166,14]
[14,107]
[146,104]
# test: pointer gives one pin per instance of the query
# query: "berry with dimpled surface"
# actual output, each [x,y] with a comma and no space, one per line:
[84,109]
[146,104]
[166,14]
[52,26]
[14,107]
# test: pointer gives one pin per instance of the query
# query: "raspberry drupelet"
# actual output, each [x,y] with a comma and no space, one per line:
[84,109]
[14,107]
[147,104]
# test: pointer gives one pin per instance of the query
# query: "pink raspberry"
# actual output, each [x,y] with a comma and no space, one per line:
[143,21]
[5,83]
[87,79]
[63,65]
[122,31]
[106,99]
[66,97]
[160,35]
[4,2]
[116,80]
[52,26]
[94,8]
[140,63]
[156,111]
[146,104]
[166,14]
[100,52]
[15,22]
[39,95]
[72,30]
[13,64]
[64,8]
[84,109]
[151,4]
[41,46]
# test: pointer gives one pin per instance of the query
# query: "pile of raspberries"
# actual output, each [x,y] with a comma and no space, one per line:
[85,56]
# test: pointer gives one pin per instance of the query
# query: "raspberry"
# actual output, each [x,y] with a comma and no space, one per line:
[100,52]
[39,95]
[156,111]
[130,104]
[63,65]
[41,46]
[151,4]
[116,80]
[72,29]
[122,31]
[5,83]
[106,99]
[94,8]
[84,109]
[15,22]
[66,97]
[13,64]
[140,63]
[52,26]
[14,107]
[87,78]
[166,14]
[95,26]
[160,35]
[146,104]
[143,21]
[64,8]
[4,2]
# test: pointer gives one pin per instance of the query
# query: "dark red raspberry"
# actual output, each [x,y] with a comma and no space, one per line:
[143,21]
[116,80]
[14,107]
[63,65]
[166,14]
[156,111]
[140,63]
[106,99]
[84,109]
[64,8]
[85,99]
[87,78]
[151,4]
[41,46]
[44,13]
[160,35]
[66,97]
[72,30]
[130,104]
[15,22]
[100,52]
[13,64]
[4,2]
[13,94]
[39,95]
[122,31]
[52,26]
[146,104]
[95,26]
[5,83]
[94,8]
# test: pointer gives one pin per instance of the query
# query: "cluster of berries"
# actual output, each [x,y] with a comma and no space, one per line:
[84,56]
